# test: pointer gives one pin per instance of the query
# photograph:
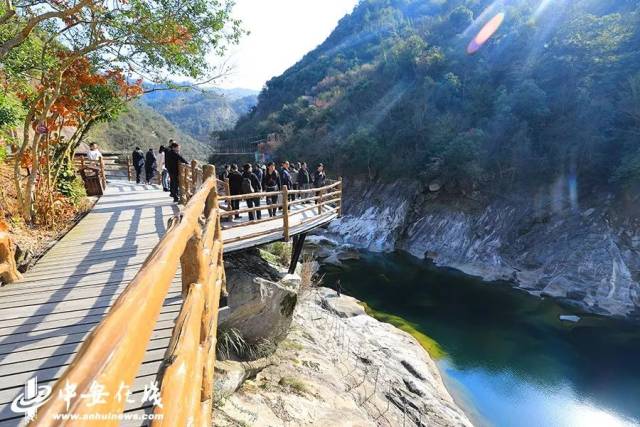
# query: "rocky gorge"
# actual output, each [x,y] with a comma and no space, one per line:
[548,242]
[328,362]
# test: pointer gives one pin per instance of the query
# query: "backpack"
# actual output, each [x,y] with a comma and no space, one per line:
[246,185]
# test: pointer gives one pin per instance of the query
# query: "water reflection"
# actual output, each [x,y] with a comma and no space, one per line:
[510,353]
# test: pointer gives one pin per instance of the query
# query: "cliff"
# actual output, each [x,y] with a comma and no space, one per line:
[546,242]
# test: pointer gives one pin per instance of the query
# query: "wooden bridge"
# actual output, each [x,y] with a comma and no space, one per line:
[129,299]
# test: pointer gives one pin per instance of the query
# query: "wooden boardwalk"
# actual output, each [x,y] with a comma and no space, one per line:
[45,317]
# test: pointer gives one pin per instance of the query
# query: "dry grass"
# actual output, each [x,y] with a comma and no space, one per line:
[35,239]
[308,270]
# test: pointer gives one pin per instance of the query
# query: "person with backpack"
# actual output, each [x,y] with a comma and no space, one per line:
[271,183]
[138,163]
[251,184]
[150,165]
[235,187]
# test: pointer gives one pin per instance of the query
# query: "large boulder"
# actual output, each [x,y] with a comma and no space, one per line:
[260,309]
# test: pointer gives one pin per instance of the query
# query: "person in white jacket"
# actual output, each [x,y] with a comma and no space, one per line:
[162,168]
[94,154]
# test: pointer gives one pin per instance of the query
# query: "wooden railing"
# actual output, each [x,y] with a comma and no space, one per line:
[113,353]
[326,200]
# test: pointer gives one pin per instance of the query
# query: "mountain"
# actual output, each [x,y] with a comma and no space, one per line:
[392,92]
[198,113]
[142,126]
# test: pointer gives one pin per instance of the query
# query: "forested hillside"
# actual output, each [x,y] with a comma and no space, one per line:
[198,113]
[393,92]
[141,126]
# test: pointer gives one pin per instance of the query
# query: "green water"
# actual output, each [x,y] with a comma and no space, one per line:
[505,356]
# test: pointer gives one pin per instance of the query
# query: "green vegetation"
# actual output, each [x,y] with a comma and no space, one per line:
[141,125]
[295,385]
[392,92]
[431,346]
[277,253]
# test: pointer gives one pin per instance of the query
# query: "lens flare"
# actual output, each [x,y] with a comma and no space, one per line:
[485,33]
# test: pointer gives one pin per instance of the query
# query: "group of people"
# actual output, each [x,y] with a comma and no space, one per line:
[166,161]
[268,178]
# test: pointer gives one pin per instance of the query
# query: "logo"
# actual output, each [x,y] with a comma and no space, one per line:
[33,397]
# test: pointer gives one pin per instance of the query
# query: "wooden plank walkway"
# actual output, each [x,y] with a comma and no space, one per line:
[45,317]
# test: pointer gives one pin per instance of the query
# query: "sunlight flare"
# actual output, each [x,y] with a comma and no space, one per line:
[485,33]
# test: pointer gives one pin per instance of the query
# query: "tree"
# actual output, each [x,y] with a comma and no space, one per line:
[150,39]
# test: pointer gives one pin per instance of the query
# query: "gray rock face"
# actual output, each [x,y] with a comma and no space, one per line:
[547,243]
[260,310]
[343,306]
[340,371]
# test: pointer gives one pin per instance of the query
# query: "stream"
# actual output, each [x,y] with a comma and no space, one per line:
[506,357]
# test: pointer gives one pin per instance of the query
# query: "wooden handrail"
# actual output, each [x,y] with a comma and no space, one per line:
[112,354]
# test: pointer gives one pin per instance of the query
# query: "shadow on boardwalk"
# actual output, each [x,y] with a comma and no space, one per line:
[74,285]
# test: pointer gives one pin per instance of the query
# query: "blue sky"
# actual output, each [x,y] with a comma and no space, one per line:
[282,31]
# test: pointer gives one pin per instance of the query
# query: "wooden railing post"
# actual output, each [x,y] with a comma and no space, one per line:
[320,202]
[227,192]
[103,175]
[285,212]
[194,178]
[209,171]
[182,183]
[81,162]
[129,168]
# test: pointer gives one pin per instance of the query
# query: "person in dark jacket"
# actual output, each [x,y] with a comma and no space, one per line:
[257,171]
[172,160]
[138,162]
[319,177]
[270,183]
[225,173]
[235,187]
[285,178]
[251,184]
[150,165]
[304,180]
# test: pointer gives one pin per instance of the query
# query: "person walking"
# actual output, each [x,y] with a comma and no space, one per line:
[150,165]
[172,161]
[271,183]
[162,168]
[138,163]
[235,187]
[251,184]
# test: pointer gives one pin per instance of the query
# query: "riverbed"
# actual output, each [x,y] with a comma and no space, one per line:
[506,356]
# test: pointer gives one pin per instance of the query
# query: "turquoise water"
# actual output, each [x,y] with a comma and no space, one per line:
[508,359]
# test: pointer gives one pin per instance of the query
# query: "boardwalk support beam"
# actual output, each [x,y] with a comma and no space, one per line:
[298,243]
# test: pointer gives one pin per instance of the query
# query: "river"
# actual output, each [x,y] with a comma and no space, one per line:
[506,357]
